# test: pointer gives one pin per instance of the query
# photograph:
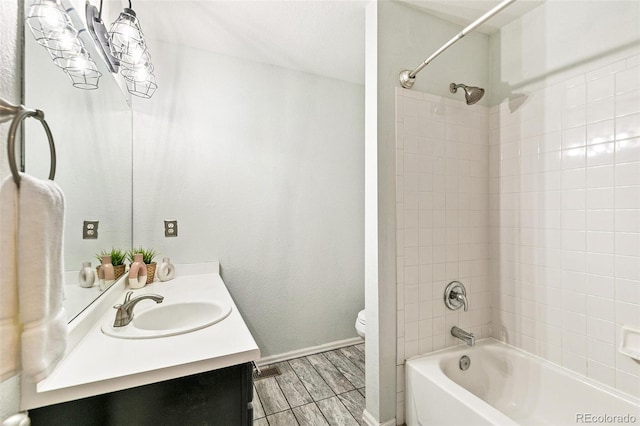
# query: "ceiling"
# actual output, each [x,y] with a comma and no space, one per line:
[464,12]
[323,37]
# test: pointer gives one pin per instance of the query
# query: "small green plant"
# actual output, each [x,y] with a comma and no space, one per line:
[147,254]
[117,256]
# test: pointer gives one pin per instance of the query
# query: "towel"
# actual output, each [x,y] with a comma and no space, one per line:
[9,319]
[40,227]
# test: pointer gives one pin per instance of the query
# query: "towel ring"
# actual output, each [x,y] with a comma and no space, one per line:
[20,114]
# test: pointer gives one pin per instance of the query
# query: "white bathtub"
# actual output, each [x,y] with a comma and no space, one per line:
[506,386]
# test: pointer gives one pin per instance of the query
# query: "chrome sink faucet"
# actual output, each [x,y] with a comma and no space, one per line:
[124,313]
[465,336]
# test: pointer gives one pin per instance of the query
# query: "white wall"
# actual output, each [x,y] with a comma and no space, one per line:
[263,168]
[442,195]
[406,37]
[565,187]
[10,89]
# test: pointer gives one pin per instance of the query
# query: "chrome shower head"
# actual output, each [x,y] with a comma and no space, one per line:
[471,93]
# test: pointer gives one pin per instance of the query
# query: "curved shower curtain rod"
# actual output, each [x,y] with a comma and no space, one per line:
[407,78]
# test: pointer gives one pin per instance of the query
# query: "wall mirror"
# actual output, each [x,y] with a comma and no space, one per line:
[93,132]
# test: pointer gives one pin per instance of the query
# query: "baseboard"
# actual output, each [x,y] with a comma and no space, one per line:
[369,420]
[309,351]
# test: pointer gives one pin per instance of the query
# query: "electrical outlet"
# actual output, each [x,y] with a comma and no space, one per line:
[90,230]
[170,228]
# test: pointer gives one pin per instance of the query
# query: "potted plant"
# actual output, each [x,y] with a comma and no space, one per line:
[117,260]
[148,254]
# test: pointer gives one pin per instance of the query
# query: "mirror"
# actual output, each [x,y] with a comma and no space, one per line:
[92,130]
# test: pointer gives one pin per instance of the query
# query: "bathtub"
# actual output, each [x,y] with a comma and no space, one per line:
[506,386]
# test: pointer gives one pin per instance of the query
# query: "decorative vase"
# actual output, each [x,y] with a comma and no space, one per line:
[166,271]
[137,272]
[86,277]
[106,271]
[151,272]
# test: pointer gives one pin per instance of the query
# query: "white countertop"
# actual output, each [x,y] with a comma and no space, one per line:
[99,363]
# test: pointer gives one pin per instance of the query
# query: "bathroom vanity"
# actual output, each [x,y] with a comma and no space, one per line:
[201,376]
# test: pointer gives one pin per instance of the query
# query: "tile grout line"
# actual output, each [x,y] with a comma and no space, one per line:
[314,402]
[336,394]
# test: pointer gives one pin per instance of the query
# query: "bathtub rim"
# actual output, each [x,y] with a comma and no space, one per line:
[431,362]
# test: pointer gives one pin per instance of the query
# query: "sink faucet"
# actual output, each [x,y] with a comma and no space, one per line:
[124,313]
[465,336]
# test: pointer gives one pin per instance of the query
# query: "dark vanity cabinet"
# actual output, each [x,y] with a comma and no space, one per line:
[219,397]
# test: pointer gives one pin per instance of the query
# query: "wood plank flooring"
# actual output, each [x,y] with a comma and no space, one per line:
[320,389]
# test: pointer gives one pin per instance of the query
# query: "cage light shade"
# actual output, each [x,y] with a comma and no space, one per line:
[142,89]
[46,18]
[83,73]
[126,39]
[61,57]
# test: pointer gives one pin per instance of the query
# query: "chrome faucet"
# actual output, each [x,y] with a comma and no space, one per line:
[124,313]
[455,296]
[465,336]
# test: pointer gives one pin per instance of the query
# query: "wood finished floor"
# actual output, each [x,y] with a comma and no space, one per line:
[321,389]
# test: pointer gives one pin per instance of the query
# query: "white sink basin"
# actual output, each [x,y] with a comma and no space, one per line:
[168,319]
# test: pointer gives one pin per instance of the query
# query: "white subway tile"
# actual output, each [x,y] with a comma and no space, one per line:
[598,307]
[600,198]
[600,286]
[601,220]
[628,291]
[600,154]
[628,244]
[627,103]
[602,109]
[600,264]
[575,95]
[574,343]
[627,220]
[574,137]
[601,330]
[627,314]
[628,80]
[601,373]
[627,383]
[574,116]
[628,267]
[600,88]
[628,126]
[602,352]
[600,132]
[627,151]
[600,242]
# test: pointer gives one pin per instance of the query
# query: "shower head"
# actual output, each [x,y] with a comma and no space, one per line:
[471,93]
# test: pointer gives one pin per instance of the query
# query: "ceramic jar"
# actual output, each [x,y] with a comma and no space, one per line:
[137,272]
[106,275]
[86,277]
[166,271]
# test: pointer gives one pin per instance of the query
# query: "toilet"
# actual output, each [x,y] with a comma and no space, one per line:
[360,324]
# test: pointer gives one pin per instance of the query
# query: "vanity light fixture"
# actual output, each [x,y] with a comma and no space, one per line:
[99,33]
[128,46]
[52,28]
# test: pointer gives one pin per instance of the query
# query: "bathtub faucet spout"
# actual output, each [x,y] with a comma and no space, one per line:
[465,336]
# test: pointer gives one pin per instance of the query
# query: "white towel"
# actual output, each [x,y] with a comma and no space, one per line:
[9,319]
[40,227]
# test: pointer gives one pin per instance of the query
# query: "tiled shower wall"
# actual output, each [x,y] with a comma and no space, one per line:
[565,220]
[442,195]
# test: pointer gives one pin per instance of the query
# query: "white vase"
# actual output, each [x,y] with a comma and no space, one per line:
[86,277]
[166,271]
